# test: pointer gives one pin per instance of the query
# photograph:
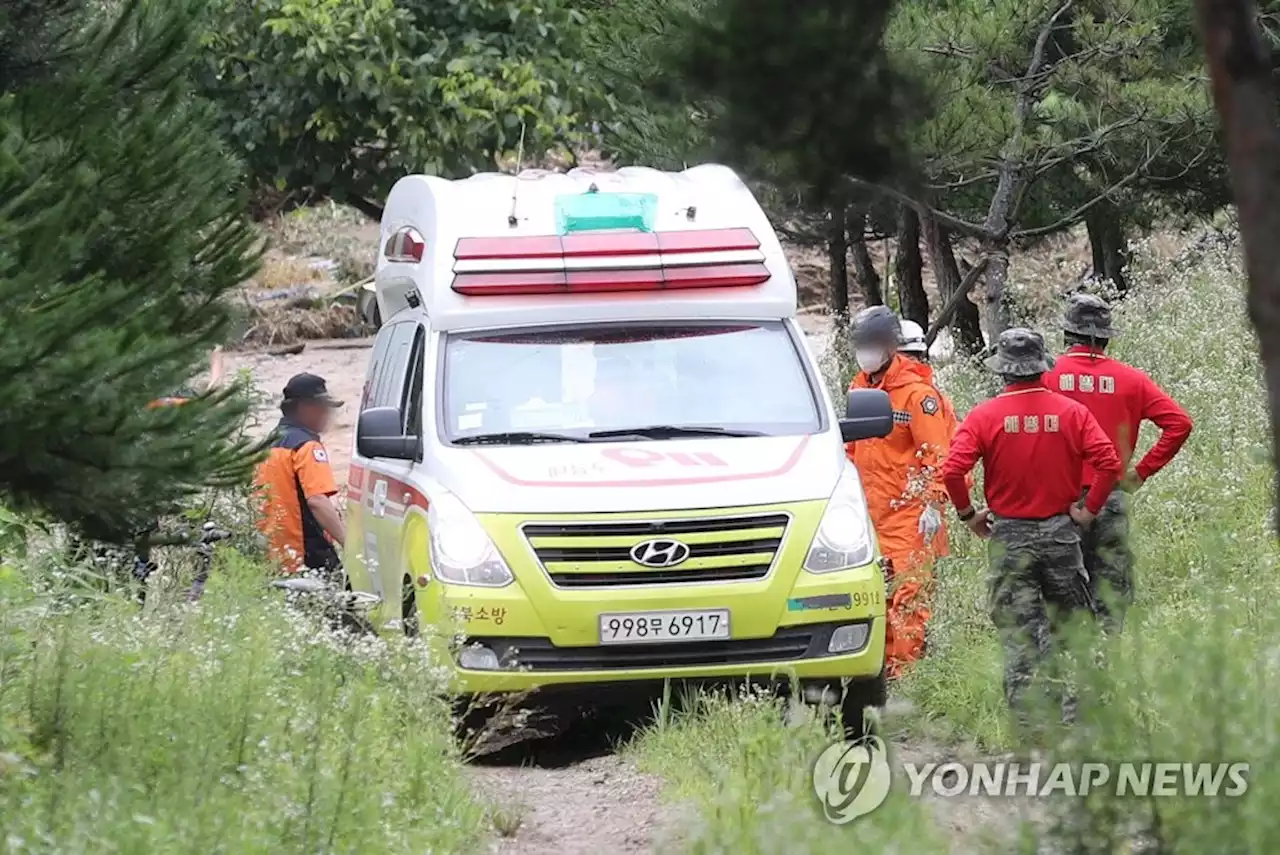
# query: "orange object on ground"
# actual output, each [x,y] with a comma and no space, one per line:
[900,475]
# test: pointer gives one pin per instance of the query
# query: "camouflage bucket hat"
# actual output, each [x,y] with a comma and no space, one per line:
[1088,315]
[1020,353]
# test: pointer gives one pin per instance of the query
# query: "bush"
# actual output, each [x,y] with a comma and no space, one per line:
[239,726]
[747,776]
[120,232]
[340,98]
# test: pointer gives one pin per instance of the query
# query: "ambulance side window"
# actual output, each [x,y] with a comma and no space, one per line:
[376,362]
[388,384]
[412,394]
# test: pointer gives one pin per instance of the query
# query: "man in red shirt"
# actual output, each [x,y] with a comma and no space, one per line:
[1032,444]
[1121,398]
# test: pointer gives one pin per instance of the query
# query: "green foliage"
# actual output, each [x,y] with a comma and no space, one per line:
[120,232]
[1119,99]
[747,774]
[803,93]
[632,49]
[239,727]
[340,98]
[33,37]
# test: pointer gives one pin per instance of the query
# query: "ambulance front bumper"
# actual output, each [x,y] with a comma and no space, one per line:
[792,653]
[573,581]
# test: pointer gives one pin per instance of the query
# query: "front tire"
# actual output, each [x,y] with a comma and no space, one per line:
[858,695]
[409,620]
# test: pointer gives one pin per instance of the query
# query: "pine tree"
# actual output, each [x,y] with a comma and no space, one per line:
[120,231]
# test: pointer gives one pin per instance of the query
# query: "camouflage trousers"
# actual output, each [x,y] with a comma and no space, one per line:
[1109,561]
[1037,585]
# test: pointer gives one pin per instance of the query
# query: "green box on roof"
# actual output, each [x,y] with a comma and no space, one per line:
[595,211]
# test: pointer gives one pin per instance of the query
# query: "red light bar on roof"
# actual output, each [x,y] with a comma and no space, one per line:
[603,262]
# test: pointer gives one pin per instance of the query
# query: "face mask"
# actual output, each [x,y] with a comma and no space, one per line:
[870,360]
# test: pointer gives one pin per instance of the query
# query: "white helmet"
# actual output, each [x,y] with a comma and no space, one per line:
[912,338]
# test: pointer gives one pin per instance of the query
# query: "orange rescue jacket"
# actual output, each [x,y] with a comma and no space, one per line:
[901,471]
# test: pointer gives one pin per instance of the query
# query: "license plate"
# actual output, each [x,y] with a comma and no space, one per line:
[641,627]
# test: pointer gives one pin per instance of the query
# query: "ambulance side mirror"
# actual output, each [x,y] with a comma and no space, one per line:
[379,433]
[868,415]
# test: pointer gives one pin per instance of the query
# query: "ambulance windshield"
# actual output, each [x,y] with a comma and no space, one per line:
[621,383]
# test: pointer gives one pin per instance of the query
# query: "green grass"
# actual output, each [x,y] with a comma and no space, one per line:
[747,776]
[1192,678]
[237,727]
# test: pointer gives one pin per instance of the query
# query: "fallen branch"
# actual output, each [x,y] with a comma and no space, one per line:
[953,302]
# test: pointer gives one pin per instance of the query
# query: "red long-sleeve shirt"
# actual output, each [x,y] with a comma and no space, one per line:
[1121,397]
[1033,445]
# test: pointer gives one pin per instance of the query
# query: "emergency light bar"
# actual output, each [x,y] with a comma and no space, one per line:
[595,263]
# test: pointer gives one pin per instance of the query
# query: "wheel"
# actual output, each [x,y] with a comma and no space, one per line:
[858,695]
[409,609]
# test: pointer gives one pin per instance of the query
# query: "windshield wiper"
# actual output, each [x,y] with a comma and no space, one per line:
[672,432]
[517,438]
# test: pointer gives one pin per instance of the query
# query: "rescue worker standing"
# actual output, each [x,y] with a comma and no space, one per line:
[1121,398]
[299,517]
[915,348]
[900,476]
[1032,444]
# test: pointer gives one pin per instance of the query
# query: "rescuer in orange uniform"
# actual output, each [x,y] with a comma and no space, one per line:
[900,476]
[915,348]
[299,518]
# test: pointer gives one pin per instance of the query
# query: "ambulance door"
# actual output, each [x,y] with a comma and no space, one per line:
[399,385]
[385,484]
[405,498]
[360,557]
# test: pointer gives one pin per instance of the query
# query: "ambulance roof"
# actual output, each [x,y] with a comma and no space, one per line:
[502,250]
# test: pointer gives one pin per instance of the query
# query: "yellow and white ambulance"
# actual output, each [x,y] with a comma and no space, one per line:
[593,434]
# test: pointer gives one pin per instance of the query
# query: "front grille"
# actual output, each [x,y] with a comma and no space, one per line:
[721,549]
[785,645]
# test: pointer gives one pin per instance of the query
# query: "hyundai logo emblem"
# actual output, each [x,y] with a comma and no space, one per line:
[660,553]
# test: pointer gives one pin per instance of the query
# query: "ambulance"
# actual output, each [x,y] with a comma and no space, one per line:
[594,441]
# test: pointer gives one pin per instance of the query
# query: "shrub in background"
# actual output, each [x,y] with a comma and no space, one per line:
[120,232]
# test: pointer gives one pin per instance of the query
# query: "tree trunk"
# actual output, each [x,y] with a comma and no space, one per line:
[1240,71]
[1109,245]
[838,266]
[993,310]
[908,269]
[864,269]
[946,272]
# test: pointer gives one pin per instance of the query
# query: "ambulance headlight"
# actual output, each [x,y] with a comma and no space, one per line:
[844,536]
[462,553]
